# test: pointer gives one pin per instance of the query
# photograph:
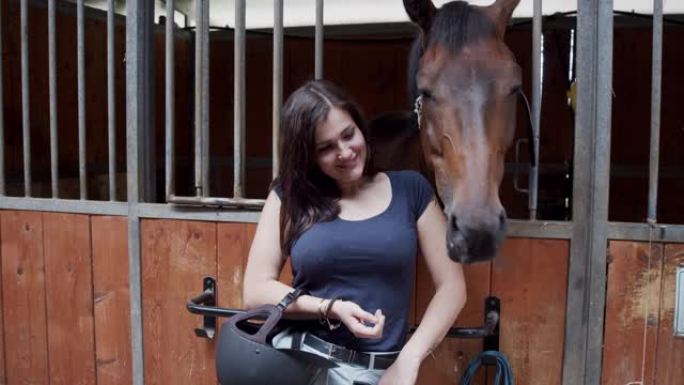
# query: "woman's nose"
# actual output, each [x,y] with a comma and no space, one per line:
[345,152]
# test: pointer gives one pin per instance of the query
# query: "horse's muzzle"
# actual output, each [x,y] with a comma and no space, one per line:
[475,241]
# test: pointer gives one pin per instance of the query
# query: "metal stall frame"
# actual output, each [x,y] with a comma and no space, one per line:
[582,359]
[588,232]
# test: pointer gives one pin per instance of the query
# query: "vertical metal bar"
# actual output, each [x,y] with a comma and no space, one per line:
[277,78]
[582,358]
[52,86]
[148,186]
[138,105]
[111,101]
[319,41]
[205,99]
[170,98]
[656,80]
[26,117]
[536,105]
[81,98]
[239,97]
[199,93]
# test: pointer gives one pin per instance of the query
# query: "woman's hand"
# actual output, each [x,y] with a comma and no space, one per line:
[404,371]
[360,323]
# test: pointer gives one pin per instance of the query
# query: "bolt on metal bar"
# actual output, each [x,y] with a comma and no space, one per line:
[241,203]
[111,101]
[2,118]
[52,86]
[277,79]
[239,98]
[318,69]
[536,105]
[170,97]
[656,82]
[25,108]
[80,54]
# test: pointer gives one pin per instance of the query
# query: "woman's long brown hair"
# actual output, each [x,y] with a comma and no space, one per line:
[307,194]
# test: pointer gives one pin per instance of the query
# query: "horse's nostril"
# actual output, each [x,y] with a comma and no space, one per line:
[502,218]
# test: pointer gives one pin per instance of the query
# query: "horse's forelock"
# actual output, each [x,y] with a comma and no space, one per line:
[456,24]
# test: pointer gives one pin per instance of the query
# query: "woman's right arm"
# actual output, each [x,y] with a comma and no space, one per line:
[265,261]
[261,284]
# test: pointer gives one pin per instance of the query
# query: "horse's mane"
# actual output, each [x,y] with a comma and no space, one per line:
[455,24]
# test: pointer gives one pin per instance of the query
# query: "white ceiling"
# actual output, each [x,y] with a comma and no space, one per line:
[302,12]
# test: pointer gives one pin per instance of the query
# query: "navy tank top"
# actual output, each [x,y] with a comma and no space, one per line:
[371,262]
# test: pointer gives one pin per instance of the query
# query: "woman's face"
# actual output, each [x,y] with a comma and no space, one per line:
[340,147]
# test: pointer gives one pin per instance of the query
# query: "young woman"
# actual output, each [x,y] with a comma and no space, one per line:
[352,235]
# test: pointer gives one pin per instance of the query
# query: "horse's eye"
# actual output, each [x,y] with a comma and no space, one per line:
[515,89]
[425,94]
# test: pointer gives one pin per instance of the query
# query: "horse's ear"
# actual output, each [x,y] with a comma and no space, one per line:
[501,12]
[421,12]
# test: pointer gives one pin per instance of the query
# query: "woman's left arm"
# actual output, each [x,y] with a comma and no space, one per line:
[447,302]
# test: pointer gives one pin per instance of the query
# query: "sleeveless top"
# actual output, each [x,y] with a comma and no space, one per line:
[371,262]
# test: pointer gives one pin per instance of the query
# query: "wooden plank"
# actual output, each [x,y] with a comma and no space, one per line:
[112,300]
[234,240]
[68,281]
[451,357]
[669,369]
[530,277]
[634,278]
[3,371]
[176,256]
[23,298]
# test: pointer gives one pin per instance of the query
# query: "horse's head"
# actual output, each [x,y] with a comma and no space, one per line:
[468,83]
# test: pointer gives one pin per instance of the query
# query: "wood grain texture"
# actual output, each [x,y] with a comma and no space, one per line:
[634,282]
[176,256]
[3,371]
[449,360]
[112,300]
[234,241]
[68,278]
[670,353]
[530,278]
[23,298]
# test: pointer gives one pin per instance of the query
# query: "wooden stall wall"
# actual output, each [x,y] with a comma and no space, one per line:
[65,303]
[530,278]
[65,299]
[639,337]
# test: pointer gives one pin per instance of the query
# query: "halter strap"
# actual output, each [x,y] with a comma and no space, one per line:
[418,110]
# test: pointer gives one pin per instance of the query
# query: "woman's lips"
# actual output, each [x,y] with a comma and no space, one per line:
[348,163]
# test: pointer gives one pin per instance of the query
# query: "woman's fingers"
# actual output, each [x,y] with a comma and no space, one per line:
[371,328]
[365,316]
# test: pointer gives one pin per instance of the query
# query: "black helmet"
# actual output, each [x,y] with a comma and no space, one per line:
[245,356]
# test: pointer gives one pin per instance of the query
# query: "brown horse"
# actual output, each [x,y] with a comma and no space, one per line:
[467,82]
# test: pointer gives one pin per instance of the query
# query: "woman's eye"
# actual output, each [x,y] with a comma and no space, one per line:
[324,148]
